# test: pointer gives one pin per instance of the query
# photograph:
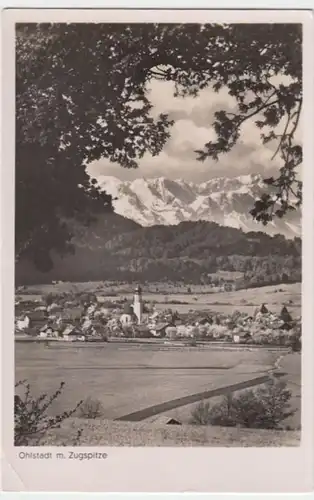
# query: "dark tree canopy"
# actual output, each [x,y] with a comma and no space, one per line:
[81,95]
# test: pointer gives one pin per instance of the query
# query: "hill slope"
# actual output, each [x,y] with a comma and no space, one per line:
[116,248]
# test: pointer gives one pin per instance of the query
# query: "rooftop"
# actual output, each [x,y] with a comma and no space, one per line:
[72,313]
[128,309]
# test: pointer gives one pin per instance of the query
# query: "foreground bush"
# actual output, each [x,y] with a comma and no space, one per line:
[295,340]
[263,408]
[31,421]
[201,414]
[91,408]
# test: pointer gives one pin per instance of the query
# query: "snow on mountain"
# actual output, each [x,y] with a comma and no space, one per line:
[226,201]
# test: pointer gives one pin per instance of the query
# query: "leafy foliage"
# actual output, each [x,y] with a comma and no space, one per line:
[263,408]
[200,414]
[31,420]
[253,56]
[296,340]
[91,408]
[69,113]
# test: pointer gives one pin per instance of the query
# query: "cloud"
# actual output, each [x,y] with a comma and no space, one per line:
[186,137]
[192,129]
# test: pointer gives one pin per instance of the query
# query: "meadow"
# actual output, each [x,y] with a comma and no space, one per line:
[177,298]
[290,366]
[242,300]
[127,378]
[132,378]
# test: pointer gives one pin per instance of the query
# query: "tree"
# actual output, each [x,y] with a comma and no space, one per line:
[200,414]
[31,419]
[91,409]
[258,54]
[69,112]
[265,407]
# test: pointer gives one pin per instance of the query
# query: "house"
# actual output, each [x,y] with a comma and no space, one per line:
[25,304]
[32,332]
[114,326]
[73,334]
[38,316]
[72,314]
[102,312]
[185,330]
[128,317]
[159,330]
[154,316]
[37,319]
[22,323]
[96,328]
[179,322]
[203,320]
[55,323]
[91,309]
[87,323]
[48,331]
[40,308]
[286,326]
[142,331]
[171,332]
[54,308]
[241,338]
[164,420]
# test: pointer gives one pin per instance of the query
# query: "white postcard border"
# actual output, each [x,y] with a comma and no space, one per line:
[158,469]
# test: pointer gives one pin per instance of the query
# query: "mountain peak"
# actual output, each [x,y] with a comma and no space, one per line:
[250,178]
[226,201]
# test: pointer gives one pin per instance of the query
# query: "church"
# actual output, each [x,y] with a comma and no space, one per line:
[133,313]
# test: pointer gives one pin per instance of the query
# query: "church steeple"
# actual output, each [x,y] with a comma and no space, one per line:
[138,304]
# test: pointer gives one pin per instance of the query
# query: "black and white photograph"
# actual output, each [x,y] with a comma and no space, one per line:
[157,251]
[158,242]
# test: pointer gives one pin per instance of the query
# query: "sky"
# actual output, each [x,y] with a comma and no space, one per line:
[191,130]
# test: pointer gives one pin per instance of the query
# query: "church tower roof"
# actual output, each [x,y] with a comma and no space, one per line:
[128,309]
[138,289]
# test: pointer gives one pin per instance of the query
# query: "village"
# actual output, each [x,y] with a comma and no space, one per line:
[87,318]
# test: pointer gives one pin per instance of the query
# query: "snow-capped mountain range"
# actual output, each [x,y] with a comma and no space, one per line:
[227,201]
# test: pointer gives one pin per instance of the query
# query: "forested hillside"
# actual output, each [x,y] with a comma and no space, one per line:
[190,251]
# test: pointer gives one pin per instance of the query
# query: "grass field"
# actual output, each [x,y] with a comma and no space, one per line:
[243,300]
[129,378]
[291,367]
[226,302]
[113,433]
